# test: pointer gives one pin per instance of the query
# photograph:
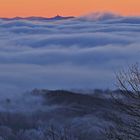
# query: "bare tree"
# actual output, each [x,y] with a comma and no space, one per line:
[127,119]
[64,133]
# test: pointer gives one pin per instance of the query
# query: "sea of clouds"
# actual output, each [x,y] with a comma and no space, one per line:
[79,53]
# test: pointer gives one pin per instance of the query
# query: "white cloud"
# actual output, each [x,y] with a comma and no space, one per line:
[66,54]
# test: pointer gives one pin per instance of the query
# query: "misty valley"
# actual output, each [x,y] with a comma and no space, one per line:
[61,78]
[57,115]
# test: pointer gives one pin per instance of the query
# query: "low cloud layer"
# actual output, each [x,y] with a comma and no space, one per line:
[75,53]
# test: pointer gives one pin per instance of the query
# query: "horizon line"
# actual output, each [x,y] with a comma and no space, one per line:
[42,16]
[39,16]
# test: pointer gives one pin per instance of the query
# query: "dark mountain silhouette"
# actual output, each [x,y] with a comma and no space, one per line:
[58,17]
[64,97]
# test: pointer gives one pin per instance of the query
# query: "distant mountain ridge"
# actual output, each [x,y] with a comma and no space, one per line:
[97,16]
[58,17]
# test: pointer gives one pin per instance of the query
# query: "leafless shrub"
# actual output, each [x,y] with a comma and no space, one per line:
[127,120]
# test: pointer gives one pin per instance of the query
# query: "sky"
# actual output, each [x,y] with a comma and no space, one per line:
[48,8]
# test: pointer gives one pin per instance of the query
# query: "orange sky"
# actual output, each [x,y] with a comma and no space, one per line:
[12,8]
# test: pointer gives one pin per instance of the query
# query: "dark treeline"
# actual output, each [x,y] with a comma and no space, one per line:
[77,115]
